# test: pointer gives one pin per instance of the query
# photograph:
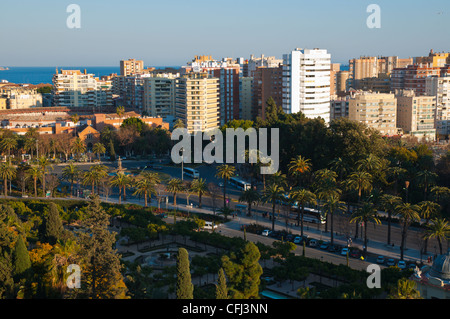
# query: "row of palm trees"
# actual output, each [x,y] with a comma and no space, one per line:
[326,190]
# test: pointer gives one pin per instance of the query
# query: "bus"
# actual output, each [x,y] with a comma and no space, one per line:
[310,215]
[191,172]
[239,183]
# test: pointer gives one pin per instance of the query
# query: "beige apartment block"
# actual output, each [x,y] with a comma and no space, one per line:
[131,66]
[159,95]
[376,110]
[416,114]
[3,103]
[20,97]
[197,101]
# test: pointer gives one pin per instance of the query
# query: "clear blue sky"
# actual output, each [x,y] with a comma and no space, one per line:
[171,32]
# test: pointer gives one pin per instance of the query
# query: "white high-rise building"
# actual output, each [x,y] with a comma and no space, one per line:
[440,88]
[306,83]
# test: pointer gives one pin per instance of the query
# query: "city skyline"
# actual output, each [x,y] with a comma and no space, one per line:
[37,34]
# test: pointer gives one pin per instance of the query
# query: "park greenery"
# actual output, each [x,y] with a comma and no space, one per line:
[340,168]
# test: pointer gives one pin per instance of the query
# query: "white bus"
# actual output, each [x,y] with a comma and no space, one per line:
[190,172]
[239,183]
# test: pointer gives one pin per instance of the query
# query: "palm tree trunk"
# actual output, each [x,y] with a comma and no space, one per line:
[331,228]
[145,198]
[273,215]
[200,200]
[6,187]
[389,228]
[224,194]
[35,187]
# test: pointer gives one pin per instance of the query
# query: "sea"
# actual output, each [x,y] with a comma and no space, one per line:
[38,75]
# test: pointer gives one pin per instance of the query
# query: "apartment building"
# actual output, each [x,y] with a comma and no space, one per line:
[197,101]
[306,83]
[20,97]
[434,59]
[416,114]
[73,88]
[414,76]
[262,61]
[267,82]
[131,66]
[245,97]
[227,71]
[339,107]
[376,110]
[439,87]
[159,95]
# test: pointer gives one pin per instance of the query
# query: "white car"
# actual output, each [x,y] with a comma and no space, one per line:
[266,232]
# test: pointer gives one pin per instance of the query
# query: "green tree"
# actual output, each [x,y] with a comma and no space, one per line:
[53,227]
[426,178]
[21,259]
[94,175]
[302,197]
[221,286]
[7,172]
[406,289]
[428,210]
[272,194]
[408,213]
[243,271]
[71,173]
[78,147]
[8,144]
[225,172]
[366,213]
[200,187]
[44,165]
[98,149]
[389,203]
[146,185]
[121,181]
[101,276]
[332,205]
[251,197]
[35,173]
[185,288]
[439,229]
[175,186]
[299,166]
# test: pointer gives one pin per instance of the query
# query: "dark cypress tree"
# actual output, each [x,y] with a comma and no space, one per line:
[221,287]
[101,276]
[185,288]
[6,268]
[21,259]
[53,227]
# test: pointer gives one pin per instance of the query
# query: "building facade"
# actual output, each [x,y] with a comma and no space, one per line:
[159,95]
[376,110]
[439,87]
[197,101]
[306,83]
[131,66]
[267,82]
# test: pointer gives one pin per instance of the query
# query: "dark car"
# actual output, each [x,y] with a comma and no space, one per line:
[324,246]
[355,253]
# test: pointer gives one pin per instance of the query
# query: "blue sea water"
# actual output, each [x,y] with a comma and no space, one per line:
[38,75]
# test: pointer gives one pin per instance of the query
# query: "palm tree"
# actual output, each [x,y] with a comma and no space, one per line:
[251,197]
[225,172]
[120,110]
[44,164]
[175,186]
[78,147]
[35,173]
[299,166]
[408,214]
[389,203]
[121,181]
[273,193]
[145,186]
[200,187]
[426,178]
[340,167]
[302,197]
[70,173]
[439,192]
[366,213]
[428,210]
[98,149]
[396,173]
[406,289]
[333,204]
[8,143]
[94,175]
[7,172]
[439,229]
[370,164]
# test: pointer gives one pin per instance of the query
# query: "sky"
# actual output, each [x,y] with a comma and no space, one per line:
[172,32]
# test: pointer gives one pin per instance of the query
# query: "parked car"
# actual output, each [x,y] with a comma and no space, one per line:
[390,262]
[266,232]
[401,264]
[313,243]
[345,251]
[380,260]
[334,248]
[324,246]
[355,253]
[297,240]
[290,237]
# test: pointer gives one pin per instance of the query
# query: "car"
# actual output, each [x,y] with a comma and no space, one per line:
[390,262]
[324,246]
[290,237]
[312,243]
[297,240]
[333,248]
[401,264]
[355,253]
[345,251]
[266,232]
[380,260]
